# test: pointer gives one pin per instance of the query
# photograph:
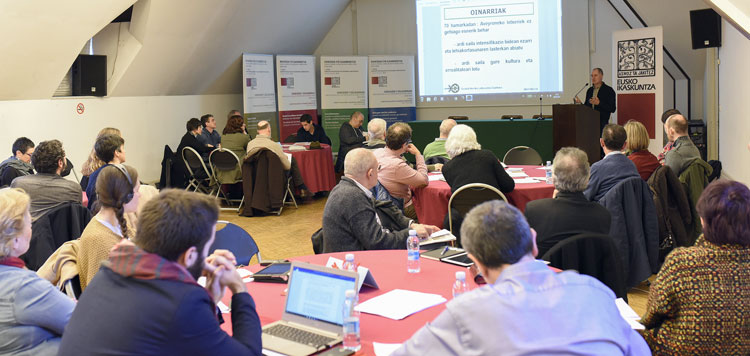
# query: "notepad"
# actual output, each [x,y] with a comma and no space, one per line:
[435,177]
[384,349]
[399,303]
[526,180]
[437,237]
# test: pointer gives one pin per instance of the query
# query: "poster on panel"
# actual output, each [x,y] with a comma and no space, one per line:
[259,92]
[638,70]
[295,83]
[343,91]
[391,88]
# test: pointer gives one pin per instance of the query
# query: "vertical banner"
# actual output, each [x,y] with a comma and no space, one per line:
[638,70]
[343,90]
[295,82]
[259,92]
[392,88]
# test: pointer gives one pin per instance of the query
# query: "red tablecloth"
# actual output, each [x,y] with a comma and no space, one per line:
[389,270]
[431,202]
[316,167]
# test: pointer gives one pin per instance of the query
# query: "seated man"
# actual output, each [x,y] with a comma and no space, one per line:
[376,131]
[614,167]
[190,139]
[19,164]
[350,137]
[437,147]
[683,151]
[111,150]
[395,173]
[145,299]
[311,131]
[568,212]
[209,136]
[525,308]
[263,141]
[350,221]
[47,189]
[668,147]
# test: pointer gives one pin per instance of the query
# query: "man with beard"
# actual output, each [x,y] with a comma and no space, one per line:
[145,299]
[47,189]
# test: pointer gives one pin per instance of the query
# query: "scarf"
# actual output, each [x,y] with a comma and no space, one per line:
[22,167]
[12,261]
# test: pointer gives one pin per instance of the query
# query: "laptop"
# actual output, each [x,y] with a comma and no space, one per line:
[312,319]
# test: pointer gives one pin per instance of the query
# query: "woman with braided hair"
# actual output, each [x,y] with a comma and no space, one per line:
[117,190]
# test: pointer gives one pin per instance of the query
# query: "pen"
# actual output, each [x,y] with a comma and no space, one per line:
[444,250]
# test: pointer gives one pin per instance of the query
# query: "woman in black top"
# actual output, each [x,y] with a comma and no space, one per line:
[471,164]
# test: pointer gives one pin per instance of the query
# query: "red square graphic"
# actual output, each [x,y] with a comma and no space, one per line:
[328,81]
[638,107]
[283,82]
[374,80]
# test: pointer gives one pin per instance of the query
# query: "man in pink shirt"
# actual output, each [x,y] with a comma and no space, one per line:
[395,173]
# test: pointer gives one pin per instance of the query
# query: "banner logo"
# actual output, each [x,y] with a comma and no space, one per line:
[636,58]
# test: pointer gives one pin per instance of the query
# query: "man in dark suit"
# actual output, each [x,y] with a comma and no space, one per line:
[614,167]
[568,213]
[311,131]
[350,137]
[194,128]
[600,97]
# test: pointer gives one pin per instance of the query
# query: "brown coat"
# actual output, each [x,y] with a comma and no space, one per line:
[263,182]
[672,206]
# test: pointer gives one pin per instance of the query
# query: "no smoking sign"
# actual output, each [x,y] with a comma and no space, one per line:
[80,108]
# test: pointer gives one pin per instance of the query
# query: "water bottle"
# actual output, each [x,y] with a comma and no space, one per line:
[351,322]
[460,286]
[548,172]
[349,263]
[412,246]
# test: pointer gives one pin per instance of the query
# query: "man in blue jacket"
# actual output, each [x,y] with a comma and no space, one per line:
[614,167]
[145,299]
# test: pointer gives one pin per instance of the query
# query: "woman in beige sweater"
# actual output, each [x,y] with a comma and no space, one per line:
[117,191]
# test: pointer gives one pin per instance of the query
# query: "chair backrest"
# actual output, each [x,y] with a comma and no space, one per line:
[538,116]
[522,155]
[291,138]
[471,195]
[590,254]
[458,117]
[236,240]
[193,160]
[511,116]
[436,159]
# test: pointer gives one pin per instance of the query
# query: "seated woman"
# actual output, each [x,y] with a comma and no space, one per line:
[471,164]
[637,145]
[117,188]
[234,138]
[33,313]
[93,162]
[698,304]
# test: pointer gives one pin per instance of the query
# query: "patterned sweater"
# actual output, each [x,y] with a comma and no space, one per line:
[96,241]
[700,302]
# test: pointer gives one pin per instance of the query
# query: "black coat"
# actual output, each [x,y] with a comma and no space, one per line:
[477,166]
[607,103]
[349,139]
[319,135]
[566,215]
[54,228]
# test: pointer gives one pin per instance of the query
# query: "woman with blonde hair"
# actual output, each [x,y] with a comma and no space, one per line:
[33,313]
[637,145]
[93,162]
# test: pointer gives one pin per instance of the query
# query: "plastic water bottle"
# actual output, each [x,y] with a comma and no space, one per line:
[412,246]
[460,286]
[351,322]
[349,263]
[548,173]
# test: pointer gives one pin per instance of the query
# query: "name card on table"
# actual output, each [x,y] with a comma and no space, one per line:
[365,276]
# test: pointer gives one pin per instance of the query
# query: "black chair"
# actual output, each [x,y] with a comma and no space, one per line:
[469,196]
[50,231]
[590,254]
[436,160]
[511,117]
[200,177]
[523,155]
[238,241]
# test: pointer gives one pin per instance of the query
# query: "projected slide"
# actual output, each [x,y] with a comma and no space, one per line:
[484,50]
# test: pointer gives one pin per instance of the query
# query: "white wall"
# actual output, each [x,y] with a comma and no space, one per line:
[734,106]
[147,124]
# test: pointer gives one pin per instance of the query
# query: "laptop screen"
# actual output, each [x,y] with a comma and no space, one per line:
[318,295]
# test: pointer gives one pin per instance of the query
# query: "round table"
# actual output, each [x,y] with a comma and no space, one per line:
[431,202]
[389,269]
[316,166]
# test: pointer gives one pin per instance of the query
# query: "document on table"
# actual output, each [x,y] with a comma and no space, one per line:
[516,174]
[435,177]
[629,314]
[438,237]
[384,349]
[398,303]
[526,180]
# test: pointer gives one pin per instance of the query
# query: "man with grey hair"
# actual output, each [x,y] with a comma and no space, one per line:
[568,212]
[437,147]
[350,219]
[376,131]
[525,308]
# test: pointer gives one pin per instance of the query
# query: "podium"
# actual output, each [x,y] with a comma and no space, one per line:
[576,125]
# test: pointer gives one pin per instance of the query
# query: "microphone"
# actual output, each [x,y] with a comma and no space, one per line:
[541,117]
[579,91]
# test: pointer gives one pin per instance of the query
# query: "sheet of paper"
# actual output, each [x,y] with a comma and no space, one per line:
[629,314]
[517,174]
[399,303]
[514,169]
[384,349]
[438,237]
[526,180]
[435,177]
[223,307]
[545,168]
[244,273]
[288,156]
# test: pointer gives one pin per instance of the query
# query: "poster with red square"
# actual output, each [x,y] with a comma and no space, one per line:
[374,80]
[328,81]
[638,107]
[283,82]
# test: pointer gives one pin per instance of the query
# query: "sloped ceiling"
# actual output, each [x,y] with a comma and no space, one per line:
[194,47]
[737,12]
[674,17]
[41,39]
[172,47]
